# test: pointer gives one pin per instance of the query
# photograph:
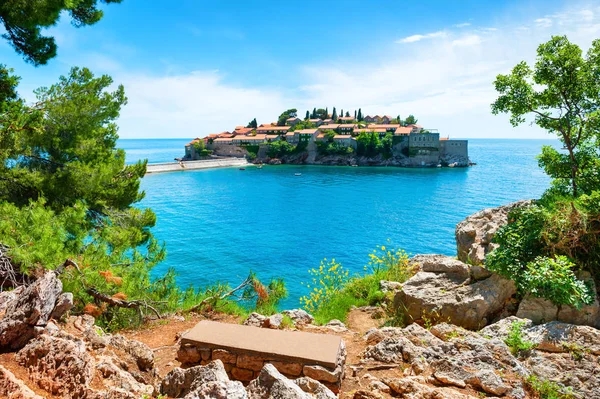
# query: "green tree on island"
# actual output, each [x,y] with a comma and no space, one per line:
[410,120]
[252,124]
[24,21]
[285,115]
[307,115]
[334,115]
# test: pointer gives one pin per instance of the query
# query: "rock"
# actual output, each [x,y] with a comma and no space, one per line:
[314,388]
[320,373]
[179,382]
[289,369]
[242,374]
[224,355]
[6,297]
[272,384]
[13,388]
[255,319]
[389,350]
[450,373]
[59,364]
[31,307]
[219,390]
[389,286]
[274,321]
[444,291]
[64,303]
[490,382]
[299,316]
[250,362]
[363,394]
[121,379]
[561,337]
[474,234]
[336,326]
[417,388]
[501,329]
[542,310]
[141,353]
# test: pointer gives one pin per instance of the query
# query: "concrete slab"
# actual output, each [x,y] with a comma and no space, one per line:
[295,346]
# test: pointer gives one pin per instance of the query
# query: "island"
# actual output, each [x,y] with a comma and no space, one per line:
[326,139]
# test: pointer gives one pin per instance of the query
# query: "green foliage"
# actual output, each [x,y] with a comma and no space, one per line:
[544,244]
[328,279]
[278,149]
[285,115]
[561,92]
[334,115]
[24,21]
[334,292]
[515,340]
[410,120]
[252,124]
[331,148]
[546,389]
[360,117]
[369,144]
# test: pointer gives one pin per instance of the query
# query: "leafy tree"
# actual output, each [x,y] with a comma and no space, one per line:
[334,115]
[307,115]
[410,120]
[562,93]
[24,21]
[285,115]
[252,124]
[321,113]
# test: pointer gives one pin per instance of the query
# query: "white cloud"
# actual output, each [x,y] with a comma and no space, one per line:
[468,40]
[543,22]
[191,105]
[417,38]
[463,25]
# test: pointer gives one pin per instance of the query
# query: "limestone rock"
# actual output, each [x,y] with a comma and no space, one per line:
[417,388]
[274,321]
[474,234]
[121,379]
[219,390]
[59,364]
[445,291]
[255,320]
[502,328]
[180,382]
[31,307]
[299,316]
[272,384]
[13,388]
[140,352]
[64,303]
[541,310]
[561,337]
[314,388]
[336,326]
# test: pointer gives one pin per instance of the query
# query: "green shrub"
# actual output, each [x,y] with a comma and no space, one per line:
[546,389]
[516,341]
[544,244]
[334,292]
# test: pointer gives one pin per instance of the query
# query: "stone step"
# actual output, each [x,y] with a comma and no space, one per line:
[291,346]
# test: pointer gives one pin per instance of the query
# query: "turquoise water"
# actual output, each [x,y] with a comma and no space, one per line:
[218,224]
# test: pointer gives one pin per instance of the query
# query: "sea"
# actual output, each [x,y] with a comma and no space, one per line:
[220,224]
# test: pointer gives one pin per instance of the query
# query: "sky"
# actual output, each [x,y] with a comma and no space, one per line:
[193,67]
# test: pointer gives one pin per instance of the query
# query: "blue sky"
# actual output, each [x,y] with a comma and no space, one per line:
[196,67]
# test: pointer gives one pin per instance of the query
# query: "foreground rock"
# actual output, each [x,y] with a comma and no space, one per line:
[13,388]
[541,310]
[29,309]
[211,381]
[446,289]
[474,234]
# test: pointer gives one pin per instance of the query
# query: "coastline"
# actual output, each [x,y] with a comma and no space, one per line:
[195,165]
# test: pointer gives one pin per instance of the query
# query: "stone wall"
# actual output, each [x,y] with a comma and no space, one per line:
[228,150]
[454,151]
[245,366]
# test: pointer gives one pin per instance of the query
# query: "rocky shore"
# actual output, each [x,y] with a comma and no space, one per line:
[467,335]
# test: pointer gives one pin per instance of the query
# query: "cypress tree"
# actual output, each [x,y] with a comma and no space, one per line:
[326,112]
[360,116]
[307,115]
[355,115]
[334,115]
[314,114]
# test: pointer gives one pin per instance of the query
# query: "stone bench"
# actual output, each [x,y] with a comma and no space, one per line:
[245,349]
